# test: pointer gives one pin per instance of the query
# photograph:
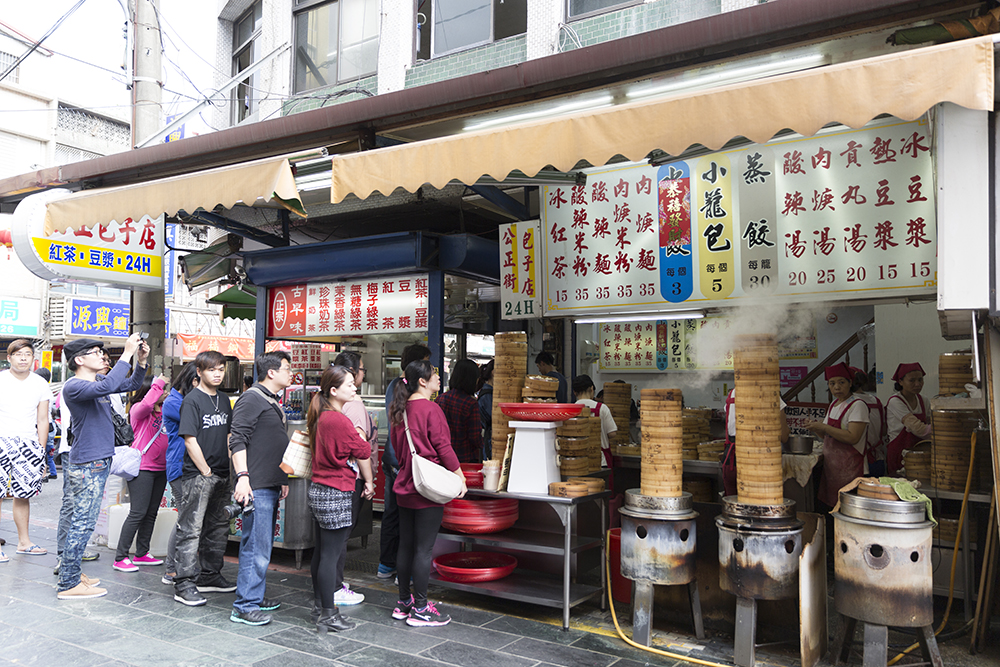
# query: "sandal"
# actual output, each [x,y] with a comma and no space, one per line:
[33,550]
[3,557]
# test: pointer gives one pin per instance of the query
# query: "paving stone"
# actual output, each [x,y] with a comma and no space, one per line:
[465,655]
[296,659]
[615,647]
[374,656]
[527,628]
[558,655]
[331,646]
[45,651]
[396,638]
[242,651]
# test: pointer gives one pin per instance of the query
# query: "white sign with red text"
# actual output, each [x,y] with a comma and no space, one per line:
[845,214]
[520,264]
[368,306]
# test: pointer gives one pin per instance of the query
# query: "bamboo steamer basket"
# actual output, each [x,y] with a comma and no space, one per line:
[574,465]
[758,447]
[543,382]
[877,491]
[594,484]
[567,489]
[573,446]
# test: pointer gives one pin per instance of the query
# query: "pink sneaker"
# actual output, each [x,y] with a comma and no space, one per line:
[125,565]
[147,560]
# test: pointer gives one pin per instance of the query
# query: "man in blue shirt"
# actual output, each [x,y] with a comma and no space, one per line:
[86,396]
[546,366]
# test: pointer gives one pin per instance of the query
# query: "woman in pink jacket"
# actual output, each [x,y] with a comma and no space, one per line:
[146,490]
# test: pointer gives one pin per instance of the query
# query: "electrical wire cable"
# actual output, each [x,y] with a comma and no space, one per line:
[48,33]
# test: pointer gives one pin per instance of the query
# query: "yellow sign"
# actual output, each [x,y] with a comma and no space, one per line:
[106,259]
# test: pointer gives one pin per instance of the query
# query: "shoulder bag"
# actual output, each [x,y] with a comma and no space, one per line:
[127,460]
[297,460]
[434,482]
[124,435]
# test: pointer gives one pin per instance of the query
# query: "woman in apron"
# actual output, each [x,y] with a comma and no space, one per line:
[907,414]
[843,431]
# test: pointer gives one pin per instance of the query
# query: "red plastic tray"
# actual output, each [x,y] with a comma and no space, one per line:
[541,412]
[463,503]
[473,566]
[492,525]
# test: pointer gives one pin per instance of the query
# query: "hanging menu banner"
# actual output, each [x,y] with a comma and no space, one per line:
[357,307]
[845,214]
[520,260]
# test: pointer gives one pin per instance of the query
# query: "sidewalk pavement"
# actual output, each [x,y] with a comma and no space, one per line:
[139,623]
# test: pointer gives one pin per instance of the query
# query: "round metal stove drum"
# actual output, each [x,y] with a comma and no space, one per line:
[659,539]
[882,562]
[759,549]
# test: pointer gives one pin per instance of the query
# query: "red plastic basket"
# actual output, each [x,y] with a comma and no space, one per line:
[485,525]
[541,412]
[474,566]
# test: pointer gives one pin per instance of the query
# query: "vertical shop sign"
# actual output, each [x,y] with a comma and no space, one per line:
[758,221]
[715,226]
[674,208]
[520,261]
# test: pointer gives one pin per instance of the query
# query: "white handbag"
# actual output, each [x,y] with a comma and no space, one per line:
[434,482]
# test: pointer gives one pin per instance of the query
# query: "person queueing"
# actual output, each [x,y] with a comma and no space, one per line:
[355,411]
[419,420]
[484,397]
[145,490]
[334,441]
[86,396]
[875,451]
[907,414]
[462,412]
[583,389]
[389,536]
[258,440]
[50,444]
[185,381]
[545,363]
[843,430]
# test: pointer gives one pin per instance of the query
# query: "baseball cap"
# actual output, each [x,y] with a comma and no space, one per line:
[75,348]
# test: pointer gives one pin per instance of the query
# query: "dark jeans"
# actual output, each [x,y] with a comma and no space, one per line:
[202,530]
[418,530]
[145,493]
[327,566]
[65,510]
[86,488]
[170,560]
[255,549]
[389,536]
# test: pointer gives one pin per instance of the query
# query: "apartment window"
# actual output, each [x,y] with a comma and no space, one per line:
[581,8]
[246,51]
[447,26]
[335,41]
[6,60]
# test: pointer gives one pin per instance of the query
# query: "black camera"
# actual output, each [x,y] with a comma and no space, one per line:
[233,510]
[143,335]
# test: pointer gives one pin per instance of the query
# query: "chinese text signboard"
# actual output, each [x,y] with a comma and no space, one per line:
[694,344]
[103,318]
[800,414]
[192,344]
[840,214]
[19,317]
[126,254]
[307,355]
[390,305]
[520,263]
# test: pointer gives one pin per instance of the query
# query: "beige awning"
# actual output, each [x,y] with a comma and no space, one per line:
[904,85]
[269,179]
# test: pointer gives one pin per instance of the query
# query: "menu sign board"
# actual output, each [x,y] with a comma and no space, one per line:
[368,306]
[520,262]
[843,214]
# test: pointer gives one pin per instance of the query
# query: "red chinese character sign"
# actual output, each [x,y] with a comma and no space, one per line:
[366,306]
[520,264]
[126,254]
[845,214]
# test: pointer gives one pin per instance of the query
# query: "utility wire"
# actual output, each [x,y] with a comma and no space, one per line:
[44,37]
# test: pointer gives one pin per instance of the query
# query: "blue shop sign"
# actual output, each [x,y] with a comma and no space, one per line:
[104,318]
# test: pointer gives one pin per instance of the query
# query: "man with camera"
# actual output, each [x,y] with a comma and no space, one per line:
[86,395]
[202,521]
[258,443]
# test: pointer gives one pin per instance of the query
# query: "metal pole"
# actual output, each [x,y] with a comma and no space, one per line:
[147,307]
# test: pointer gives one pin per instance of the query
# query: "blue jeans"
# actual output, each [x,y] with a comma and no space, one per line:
[50,448]
[86,487]
[255,549]
[65,510]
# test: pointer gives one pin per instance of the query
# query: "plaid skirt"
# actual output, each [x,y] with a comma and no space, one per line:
[331,507]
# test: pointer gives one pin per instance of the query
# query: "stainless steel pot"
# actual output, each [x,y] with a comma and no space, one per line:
[799,444]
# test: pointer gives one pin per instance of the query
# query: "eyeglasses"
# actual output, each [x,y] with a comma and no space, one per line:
[362,370]
[94,351]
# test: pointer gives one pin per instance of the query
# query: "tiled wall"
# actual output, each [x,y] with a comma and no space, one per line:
[506,52]
[325,97]
[638,19]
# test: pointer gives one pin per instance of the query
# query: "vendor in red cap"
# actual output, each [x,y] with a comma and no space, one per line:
[875,435]
[908,416]
[843,431]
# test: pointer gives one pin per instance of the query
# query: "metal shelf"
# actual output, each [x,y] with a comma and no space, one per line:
[522,539]
[524,586]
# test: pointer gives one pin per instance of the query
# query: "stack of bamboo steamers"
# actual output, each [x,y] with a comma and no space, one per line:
[954,372]
[951,451]
[758,425]
[618,398]
[511,364]
[578,441]
[662,439]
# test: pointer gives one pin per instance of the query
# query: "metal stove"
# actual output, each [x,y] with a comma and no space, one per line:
[659,541]
[884,577]
[759,548]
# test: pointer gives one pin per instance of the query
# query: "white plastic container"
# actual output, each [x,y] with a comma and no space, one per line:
[116,517]
[166,519]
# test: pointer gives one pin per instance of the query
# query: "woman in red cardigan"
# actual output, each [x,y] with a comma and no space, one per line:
[418,418]
[336,447]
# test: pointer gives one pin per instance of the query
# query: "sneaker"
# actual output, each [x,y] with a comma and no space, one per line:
[125,565]
[147,560]
[167,579]
[428,617]
[189,596]
[82,592]
[385,572]
[345,597]
[402,610]
[90,581]
[269,605]
[90,555]
[218,585]
[252,617]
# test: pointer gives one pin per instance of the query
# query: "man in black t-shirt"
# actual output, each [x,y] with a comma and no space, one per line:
[202,525]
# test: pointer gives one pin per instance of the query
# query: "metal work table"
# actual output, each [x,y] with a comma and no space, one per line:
[534,587]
